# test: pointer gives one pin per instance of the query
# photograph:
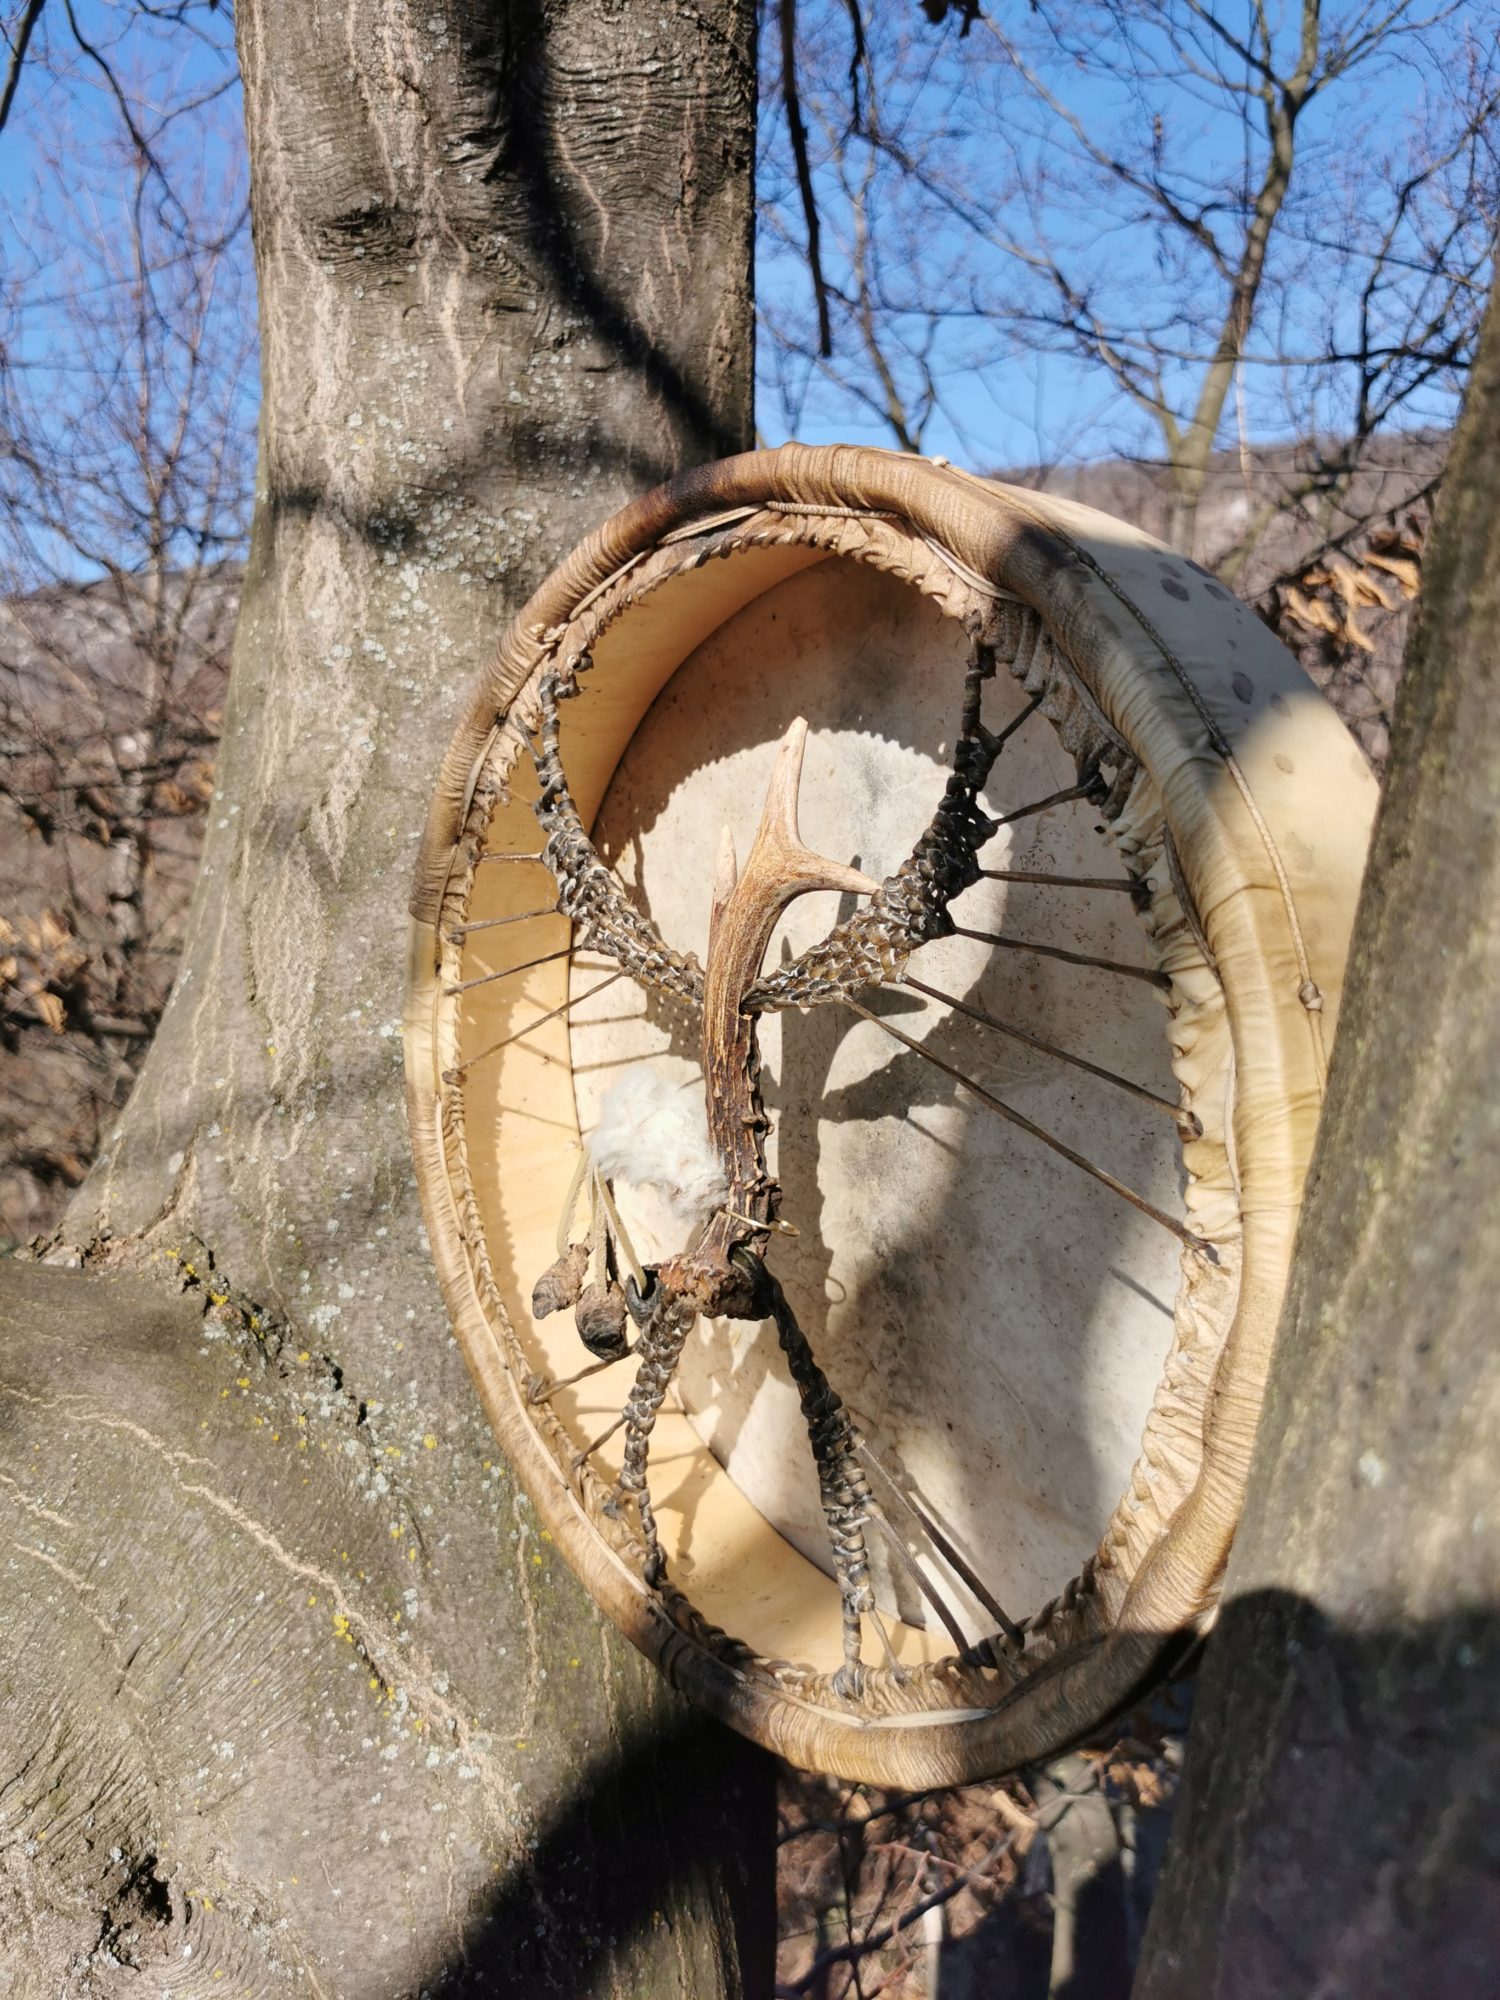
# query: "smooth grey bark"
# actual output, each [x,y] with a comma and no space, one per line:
[1339,1827]
[295,1679]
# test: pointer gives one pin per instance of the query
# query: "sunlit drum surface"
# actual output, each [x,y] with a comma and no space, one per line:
[996,1320]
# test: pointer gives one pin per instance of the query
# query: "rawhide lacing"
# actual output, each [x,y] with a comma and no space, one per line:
[605,919]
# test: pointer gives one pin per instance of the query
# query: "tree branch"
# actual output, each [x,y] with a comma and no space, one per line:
[797,132]
[18,49]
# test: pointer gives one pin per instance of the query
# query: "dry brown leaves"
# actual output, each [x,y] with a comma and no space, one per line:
[41,961]
[1346,616]
[1329,596]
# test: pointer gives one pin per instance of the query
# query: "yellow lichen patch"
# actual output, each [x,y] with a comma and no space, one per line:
[430,1442]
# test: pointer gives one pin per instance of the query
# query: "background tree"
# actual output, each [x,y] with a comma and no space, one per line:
[127,415]
[1239,253]
[1337,1827]
[294,1683]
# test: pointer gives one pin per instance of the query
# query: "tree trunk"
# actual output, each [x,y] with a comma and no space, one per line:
[1339,1829]
[295,1680]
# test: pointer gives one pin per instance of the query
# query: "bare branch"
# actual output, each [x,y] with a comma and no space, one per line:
[18,47]
[798,133]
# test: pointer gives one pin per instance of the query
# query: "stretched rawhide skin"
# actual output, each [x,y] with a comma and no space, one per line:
[932,1485]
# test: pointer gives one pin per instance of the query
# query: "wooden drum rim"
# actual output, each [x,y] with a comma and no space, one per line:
[1265,851]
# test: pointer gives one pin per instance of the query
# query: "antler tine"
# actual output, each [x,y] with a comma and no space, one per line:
[726,874]
[779,863]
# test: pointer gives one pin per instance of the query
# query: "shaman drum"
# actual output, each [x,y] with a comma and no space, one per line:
[876,951]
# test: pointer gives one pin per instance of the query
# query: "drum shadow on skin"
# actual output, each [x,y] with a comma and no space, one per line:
[925,1312]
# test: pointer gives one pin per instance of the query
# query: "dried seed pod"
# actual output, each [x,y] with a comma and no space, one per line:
[560,1284]
[600,1317]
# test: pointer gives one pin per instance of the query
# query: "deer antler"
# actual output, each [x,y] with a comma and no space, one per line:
[722,1273]
[745,910]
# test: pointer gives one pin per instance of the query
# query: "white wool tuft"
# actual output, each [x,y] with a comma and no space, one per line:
[654,1134]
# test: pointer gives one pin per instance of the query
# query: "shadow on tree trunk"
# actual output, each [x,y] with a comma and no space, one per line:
[1282,1785]
[593,1882]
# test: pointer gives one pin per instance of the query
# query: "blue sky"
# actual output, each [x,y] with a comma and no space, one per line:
[1011,175]
[87,240]
[1008,392]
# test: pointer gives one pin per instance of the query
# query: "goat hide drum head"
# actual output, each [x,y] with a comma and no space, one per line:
[876,951]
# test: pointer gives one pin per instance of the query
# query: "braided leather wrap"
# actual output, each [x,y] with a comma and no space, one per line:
[911,906]
[660,1349]
[909,909]
[848,1503]
[605,920]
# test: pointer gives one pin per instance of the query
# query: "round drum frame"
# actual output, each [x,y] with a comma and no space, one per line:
[1242,810]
